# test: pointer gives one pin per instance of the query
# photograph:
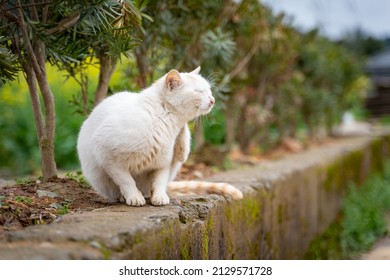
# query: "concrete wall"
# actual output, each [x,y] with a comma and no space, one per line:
[286,204]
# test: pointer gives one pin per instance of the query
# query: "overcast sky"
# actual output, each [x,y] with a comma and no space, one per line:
[335,17]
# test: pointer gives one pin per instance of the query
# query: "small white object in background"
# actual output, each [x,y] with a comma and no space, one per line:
[350,127]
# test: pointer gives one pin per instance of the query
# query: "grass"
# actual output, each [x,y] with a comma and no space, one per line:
[23,199]
[78,177]
[2,197]
[361,222]
[64,209]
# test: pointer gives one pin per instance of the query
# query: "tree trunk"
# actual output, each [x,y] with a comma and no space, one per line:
[107,67]
[84,92]
[36,72]
[142,65]
[46,142]
[36,104]
[242,130]
[45,129]
[230,123]
[309,124]
[198,135]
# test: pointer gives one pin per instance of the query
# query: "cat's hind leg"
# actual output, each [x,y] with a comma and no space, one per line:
[127,185]
[103,184]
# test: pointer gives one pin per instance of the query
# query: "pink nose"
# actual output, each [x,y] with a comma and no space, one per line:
[212,100]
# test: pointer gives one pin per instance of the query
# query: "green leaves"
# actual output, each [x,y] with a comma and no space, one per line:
[362,222]
[219,47]
[8,63]
[364,213]
[334,79]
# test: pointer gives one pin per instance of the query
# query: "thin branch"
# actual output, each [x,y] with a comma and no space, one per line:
[34,12]
[10,16]
[3,27]
[27,5]
[27,42]
[65,24]
[45,12]
[245,60]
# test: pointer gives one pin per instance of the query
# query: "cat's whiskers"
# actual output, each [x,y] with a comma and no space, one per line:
[198,121]
[211,79]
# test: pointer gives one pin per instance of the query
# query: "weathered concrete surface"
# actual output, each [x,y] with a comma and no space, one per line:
[286,203]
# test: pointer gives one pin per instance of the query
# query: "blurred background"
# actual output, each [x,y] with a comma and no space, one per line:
[282,72]
[336,19]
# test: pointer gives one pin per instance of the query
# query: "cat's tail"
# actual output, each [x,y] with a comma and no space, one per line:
[180,188]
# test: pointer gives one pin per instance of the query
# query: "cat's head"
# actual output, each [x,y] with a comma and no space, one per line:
[188,93]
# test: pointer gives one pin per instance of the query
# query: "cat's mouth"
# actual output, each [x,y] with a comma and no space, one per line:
[205,109]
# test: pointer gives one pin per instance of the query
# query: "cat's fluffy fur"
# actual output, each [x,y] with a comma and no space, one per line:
[132,145]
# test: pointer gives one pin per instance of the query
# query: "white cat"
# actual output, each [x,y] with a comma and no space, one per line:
[133,145]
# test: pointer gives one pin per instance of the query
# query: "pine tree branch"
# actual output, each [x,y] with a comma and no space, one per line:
[65,24]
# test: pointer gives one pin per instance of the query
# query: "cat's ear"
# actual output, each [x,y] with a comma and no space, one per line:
[196,71]
[173,80]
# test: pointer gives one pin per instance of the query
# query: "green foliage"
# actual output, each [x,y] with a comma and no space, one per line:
[364,209]
[384,120]
[63,209]
[8,63]
[327,246]
[362,43]
[294,78]
[219,48]
[23,199]
[361,223]
[166,42]
[270,80]
[214,127]
[78,176]
[100,28]
[2,197]
[19,152]
[66,34]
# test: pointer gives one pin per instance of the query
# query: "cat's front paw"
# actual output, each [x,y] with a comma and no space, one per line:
[136,199]
[160,199]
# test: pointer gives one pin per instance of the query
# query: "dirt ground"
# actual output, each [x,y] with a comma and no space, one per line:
[34,202]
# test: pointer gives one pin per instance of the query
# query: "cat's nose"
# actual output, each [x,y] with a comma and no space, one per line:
[212,101]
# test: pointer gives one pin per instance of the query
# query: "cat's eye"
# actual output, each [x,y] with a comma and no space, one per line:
[199,91]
